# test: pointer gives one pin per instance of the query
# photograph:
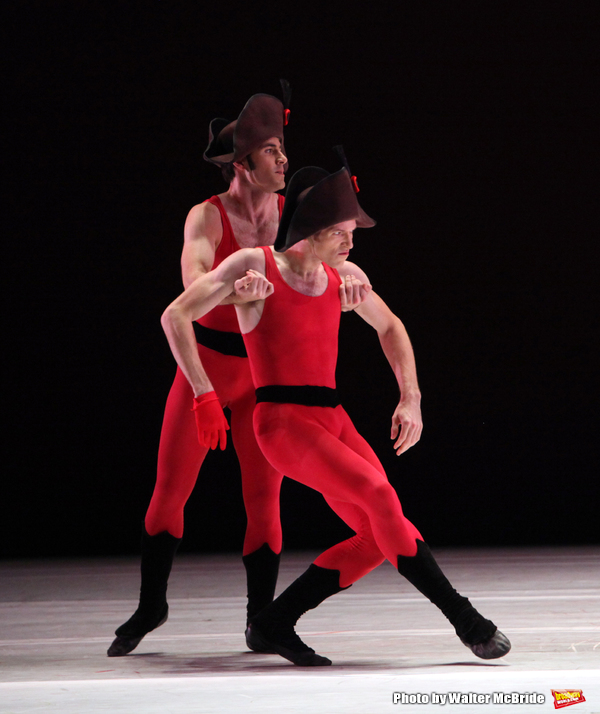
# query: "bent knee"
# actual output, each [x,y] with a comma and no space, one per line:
[382,494]
[368,553]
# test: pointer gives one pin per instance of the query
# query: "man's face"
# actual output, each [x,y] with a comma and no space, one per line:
[333,245]
[264,168]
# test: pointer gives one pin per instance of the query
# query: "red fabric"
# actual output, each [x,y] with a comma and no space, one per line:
[180,456]
[223,317]
[305,331]
[211,423]
[319,446]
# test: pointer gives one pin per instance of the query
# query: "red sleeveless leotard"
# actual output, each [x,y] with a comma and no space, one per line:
[295,344]
[223,317]
[296,340]
[180,455]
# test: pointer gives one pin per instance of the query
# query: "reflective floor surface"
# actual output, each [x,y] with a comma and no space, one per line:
[392,650]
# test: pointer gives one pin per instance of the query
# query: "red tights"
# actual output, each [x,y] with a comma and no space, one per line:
[180,456]
[320,447]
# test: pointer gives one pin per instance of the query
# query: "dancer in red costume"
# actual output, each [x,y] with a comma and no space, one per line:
[291,338]
[251,154]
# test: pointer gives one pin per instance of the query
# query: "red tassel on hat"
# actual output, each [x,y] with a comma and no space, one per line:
[286,90]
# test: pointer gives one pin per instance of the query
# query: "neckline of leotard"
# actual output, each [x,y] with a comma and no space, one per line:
[225,218]
[283,280]
[225,221]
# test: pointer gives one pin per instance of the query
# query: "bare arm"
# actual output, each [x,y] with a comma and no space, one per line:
[202,234]
[204,293]
[399,353]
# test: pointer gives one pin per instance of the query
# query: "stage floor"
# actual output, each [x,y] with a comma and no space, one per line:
[57,618]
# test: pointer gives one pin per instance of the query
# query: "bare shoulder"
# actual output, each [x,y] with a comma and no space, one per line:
[243,260]
[352,269]
[203,221]
[254,259]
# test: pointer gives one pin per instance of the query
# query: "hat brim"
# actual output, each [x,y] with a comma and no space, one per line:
[303,178]
[330,199]
[261,118]
[220,141]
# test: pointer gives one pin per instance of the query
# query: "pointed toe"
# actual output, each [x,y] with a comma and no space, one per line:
[123,645]
[131,633]
[496,646]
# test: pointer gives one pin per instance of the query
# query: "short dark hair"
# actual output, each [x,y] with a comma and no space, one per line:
[228,172]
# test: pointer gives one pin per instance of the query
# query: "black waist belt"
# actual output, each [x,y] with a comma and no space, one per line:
[307,395]
[227,343]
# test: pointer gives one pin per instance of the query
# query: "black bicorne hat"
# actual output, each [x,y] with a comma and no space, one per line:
[315,200]
[263,116]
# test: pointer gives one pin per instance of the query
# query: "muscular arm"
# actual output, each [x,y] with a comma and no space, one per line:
[399,353]
[202,234]
[204,293]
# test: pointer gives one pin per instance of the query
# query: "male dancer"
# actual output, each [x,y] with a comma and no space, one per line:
[251,154]
[291,339]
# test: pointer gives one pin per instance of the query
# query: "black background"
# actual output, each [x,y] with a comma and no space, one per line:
[472,129]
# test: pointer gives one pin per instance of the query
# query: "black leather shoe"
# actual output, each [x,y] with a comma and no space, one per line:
[252,643]
[132,632]
[291,648]
[496,646]
[123,645]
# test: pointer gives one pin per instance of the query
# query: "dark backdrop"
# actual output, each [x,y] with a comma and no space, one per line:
[471,128]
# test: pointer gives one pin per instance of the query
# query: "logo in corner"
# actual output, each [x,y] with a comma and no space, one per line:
[566,697]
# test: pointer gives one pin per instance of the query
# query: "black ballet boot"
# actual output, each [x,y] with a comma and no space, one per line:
[262,568]
[481,636]
[158,552]
[273,628]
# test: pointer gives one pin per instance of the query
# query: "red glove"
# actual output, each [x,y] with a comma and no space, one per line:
[210,421]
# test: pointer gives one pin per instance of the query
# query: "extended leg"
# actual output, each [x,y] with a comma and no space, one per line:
[481,636]
[477,633]
[307,445]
